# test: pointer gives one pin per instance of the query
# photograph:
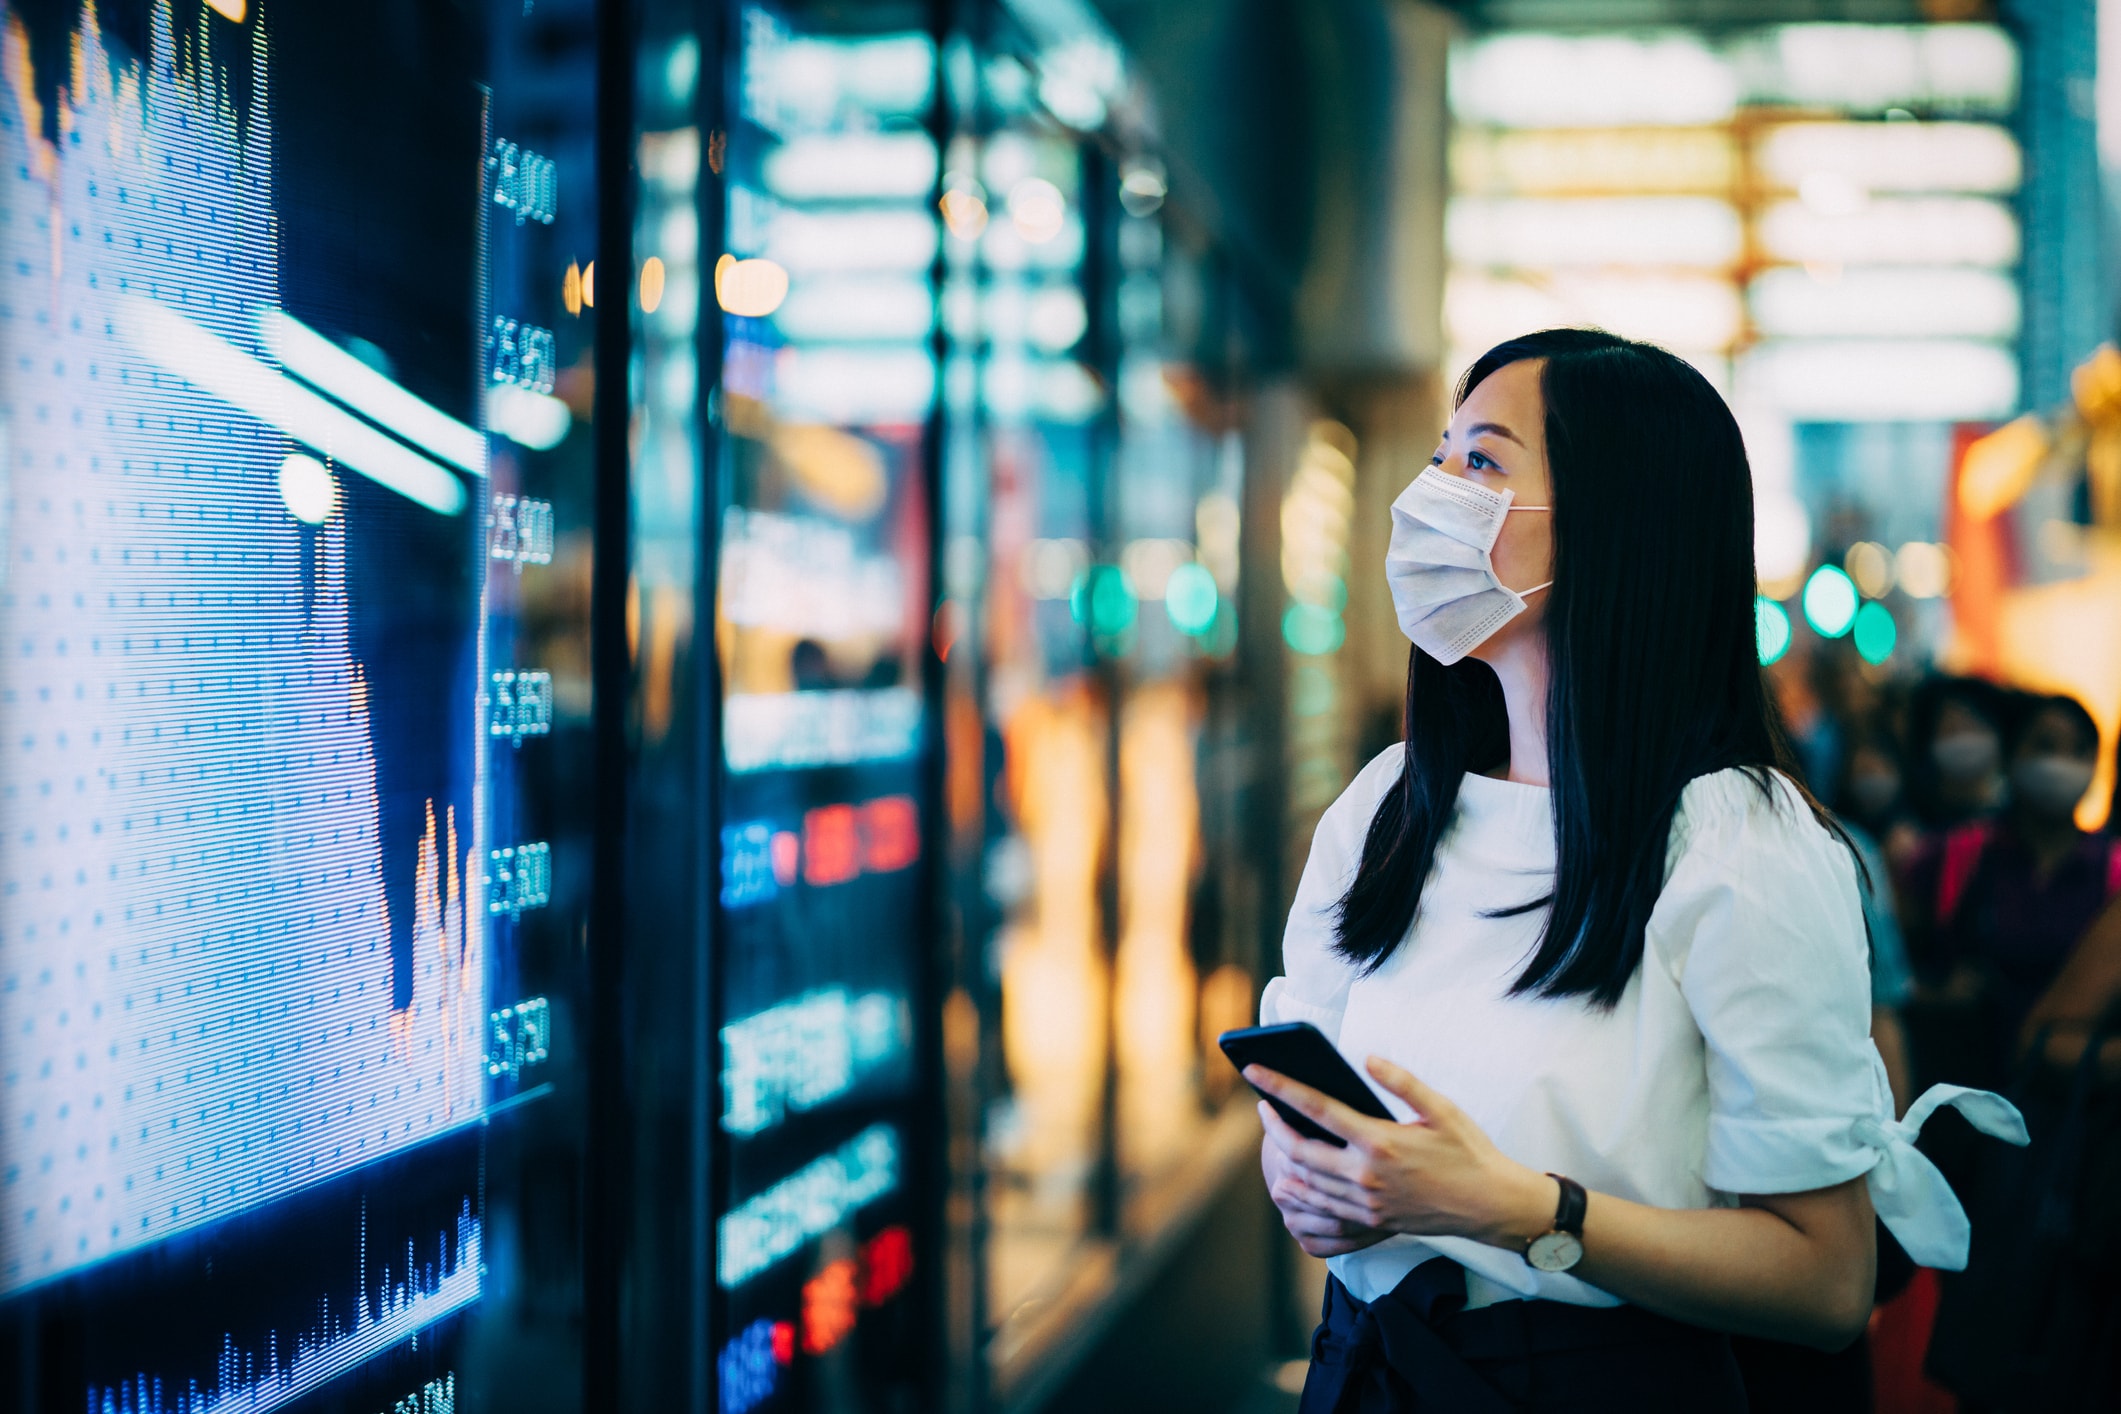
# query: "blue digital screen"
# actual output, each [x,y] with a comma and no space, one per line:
[273,861]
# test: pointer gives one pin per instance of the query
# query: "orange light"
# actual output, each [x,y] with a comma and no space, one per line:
[589,285]
[751,288]
[945,631]
[230,9]
[828,1306]
[571,288]
[832,851]
[1999,468]
[964,213]
[652,278]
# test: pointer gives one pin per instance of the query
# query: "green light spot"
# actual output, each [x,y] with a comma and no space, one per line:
[1109,599]
[1312,630]
[1771,627]
[1830,601]
[1190,599]
[1876,633]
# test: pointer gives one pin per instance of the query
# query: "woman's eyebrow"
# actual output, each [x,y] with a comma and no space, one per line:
[1495,427]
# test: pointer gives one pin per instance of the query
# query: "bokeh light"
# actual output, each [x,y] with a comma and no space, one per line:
[1103,601]
[1875,633]
[1871,566]
[1190,598]
[1924,569]
[1830,601]
[1771,627]
[1312,630]
[308,489]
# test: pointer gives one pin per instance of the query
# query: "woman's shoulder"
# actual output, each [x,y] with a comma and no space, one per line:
[1337,843]
[1359,800]
[1750,860]
[1747,808]
[1754,824]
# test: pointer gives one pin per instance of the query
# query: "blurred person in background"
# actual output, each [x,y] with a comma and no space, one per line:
[2010,898]
[2034,1322]
[1955,751]
[1589,902]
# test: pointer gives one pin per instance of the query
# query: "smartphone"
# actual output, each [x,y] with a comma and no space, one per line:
[1301,1051]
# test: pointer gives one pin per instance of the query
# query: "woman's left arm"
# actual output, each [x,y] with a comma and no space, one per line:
[1796,1266]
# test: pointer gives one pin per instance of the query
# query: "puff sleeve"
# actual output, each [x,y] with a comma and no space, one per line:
[1316,979]
[1762,919]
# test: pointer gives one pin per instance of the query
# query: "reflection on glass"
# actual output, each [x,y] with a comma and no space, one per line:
[822,514]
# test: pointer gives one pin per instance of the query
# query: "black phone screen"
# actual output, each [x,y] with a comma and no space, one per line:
[1301,1051]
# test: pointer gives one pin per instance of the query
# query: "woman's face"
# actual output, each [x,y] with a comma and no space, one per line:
[1497,439]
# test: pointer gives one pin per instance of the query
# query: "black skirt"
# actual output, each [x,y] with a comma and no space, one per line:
[1417,1350]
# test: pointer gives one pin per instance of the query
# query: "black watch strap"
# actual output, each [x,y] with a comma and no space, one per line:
[1568,1213]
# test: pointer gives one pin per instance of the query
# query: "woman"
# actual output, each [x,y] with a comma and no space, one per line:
[1603,956]
[1955,740]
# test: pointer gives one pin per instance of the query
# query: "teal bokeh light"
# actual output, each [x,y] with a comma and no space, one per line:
[1103,601]
[1190,599]
[1312,630]
[1830,601]
[1771,627]
[1875,632]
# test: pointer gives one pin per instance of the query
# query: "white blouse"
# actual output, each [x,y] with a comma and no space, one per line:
[1738,1060]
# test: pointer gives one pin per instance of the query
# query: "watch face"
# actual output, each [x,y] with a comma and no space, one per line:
[1555,1251]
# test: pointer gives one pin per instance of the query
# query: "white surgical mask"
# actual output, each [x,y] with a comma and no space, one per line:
[1440,564]
[2052,785]
[1965,755]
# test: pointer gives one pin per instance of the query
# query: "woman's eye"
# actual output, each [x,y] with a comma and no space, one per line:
[1476,461]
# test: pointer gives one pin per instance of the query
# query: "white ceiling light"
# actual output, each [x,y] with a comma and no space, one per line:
[1912,157]
[1864,380]
[1885,302]
[1557,81]
[1643,230]
[1935,230]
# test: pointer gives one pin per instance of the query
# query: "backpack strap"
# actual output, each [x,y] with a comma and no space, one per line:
[1963,847]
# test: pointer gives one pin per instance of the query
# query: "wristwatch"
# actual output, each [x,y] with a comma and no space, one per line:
[1561,1248]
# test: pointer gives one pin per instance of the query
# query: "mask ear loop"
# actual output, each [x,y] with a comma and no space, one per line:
[1520,593]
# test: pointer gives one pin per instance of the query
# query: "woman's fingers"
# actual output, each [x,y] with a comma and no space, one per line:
[1322,1110]
[1312,1153]
[1430,1106]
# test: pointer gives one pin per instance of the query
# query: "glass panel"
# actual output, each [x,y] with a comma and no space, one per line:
[1093,523]
[296,636]
[828,383]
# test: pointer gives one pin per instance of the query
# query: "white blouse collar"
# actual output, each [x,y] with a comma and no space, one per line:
[1522,814]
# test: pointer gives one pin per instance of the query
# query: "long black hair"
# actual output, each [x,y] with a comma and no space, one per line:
[1654,671]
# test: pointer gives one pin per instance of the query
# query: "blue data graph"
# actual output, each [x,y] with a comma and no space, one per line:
[429,1280]
[243,915]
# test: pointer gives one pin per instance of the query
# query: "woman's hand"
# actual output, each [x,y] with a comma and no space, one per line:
[1317,1232]
[1438,1176]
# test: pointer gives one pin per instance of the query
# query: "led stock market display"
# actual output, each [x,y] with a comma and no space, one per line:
[283,423]
[303,824]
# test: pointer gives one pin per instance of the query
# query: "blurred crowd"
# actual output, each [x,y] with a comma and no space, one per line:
[1995,926]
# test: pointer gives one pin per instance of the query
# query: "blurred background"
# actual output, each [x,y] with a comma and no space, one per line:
[929,469]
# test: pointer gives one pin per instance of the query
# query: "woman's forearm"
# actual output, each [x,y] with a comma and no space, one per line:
[1795,1267]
